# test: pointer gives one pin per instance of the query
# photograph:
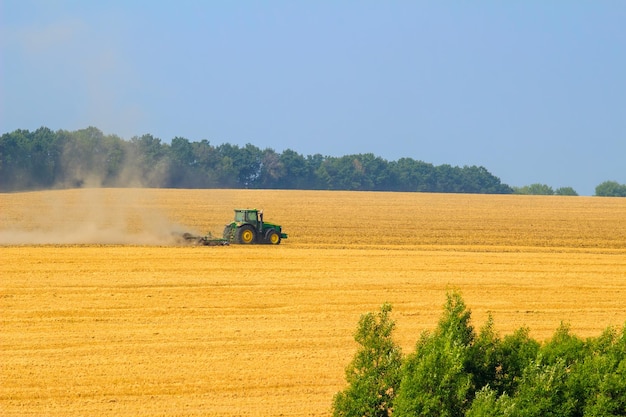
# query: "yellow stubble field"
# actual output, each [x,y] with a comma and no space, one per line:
[103,314]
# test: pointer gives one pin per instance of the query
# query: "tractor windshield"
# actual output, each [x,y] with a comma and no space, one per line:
[239,216]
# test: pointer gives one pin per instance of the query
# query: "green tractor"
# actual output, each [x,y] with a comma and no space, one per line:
[249,227]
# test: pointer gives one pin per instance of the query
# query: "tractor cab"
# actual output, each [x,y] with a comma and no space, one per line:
[250,216]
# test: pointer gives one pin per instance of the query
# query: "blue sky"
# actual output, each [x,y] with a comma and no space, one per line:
[535,91]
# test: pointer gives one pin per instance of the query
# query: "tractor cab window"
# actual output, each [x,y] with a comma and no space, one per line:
[252,216]
[246,217]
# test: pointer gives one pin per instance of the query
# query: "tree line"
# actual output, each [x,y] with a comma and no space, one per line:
[457,372]
[43,159]
[605,189]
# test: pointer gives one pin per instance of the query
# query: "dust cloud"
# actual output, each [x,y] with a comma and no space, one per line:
[86,216]
[83,209]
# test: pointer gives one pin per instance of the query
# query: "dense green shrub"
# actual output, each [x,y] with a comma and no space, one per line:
[488,404]
[611,189]
[374,373]
[454,372]
[435,379]
[518,351]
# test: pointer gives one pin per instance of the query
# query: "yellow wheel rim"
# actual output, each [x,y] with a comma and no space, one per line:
[274,238]
[246,236]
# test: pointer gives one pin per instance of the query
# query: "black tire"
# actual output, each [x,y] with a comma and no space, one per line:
[226,234]
[272,237]
[246,235]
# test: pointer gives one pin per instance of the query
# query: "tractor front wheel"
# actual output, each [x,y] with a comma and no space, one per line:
[272,237]
[246,235]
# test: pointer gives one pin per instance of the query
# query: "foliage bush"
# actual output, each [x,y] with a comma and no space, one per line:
[534,189]
[374,373]
[611,189]
[455,372]
[565,191]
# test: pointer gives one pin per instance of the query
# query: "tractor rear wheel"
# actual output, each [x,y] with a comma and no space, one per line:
[272,237]
[246,235]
